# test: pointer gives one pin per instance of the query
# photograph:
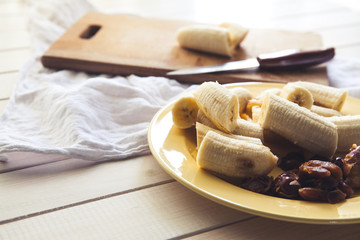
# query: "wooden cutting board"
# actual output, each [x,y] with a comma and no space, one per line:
[127,44]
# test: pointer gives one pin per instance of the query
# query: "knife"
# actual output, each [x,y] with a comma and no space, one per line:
[284,60]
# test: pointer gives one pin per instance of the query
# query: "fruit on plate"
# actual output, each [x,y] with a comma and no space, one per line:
[184,112]
[219,104]
[325,96]
[247,128]
[243,96]
[222,39]
[326,112]
[351,167]
[299,125]
[297,94]
[234,158]
[348,128]
[202,129]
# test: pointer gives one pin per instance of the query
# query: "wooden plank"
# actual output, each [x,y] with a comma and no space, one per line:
[352,51]
[262,228]
[72,181]
[12,7]
[13,22]
[219,11]
[7,82]
[14,39]
[315,22]
[22,160]
[3,104]
[159,212]
[13,60]
[341,36]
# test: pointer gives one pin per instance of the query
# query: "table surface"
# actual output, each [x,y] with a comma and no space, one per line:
[60,198]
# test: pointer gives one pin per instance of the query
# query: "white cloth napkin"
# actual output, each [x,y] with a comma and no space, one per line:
[94,117]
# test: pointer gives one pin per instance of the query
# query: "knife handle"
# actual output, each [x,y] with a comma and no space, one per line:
[296,60]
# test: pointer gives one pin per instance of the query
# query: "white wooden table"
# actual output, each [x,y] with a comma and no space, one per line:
[135,198]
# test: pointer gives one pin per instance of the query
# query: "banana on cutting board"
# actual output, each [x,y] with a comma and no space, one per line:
[219,104]
[222,39]
[299,125]
[234,158]
[184,112]
[325,96]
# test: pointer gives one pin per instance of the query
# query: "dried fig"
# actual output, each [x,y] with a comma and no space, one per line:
[351,167]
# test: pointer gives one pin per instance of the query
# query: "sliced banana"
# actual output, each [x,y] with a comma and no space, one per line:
[297,94]
[257,101]
[237,32]
[219,104]
[234,158]
[202,129]
[325,112]
[203,119]
[348,128]
[221,40]
[325,96]
[249,129]
[243,96]
[255,113]
[184,112]
[299,125]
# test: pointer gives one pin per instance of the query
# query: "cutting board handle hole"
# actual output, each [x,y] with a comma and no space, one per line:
[90,31]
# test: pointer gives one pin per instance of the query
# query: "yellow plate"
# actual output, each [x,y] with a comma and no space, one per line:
[175,149]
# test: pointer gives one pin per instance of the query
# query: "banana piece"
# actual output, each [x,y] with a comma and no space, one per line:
[203,119]
[212,39]
[325,112]
[234,158]
[348,128]
[255,113]
[202,129]
[219,105]
[257,101]
[325,96]
[237,32]
[243,96]
[249,129]
[297,94]
[184,112]
[299,125]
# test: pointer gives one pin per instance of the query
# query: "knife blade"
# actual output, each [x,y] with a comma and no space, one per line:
[284,60]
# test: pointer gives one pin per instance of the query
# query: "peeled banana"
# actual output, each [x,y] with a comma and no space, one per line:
[234,158]
[257,101]
[219,104]
[221,40]
[243,96]
[348,128]
[325,96]
[184,112]
[202,129]
[299,125]
[203,119]
[237,32]
[297,94]
[255,113]
[325,112]
[249,129]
